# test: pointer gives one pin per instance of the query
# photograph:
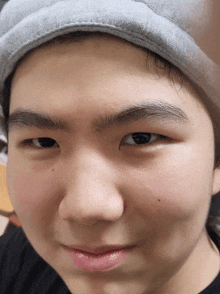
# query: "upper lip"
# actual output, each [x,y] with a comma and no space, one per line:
[98,250]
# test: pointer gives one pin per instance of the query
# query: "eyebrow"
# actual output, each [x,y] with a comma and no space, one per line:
[21,118]
[159,110]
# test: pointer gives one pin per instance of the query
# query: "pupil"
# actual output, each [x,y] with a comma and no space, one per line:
[46,142]
[141,138]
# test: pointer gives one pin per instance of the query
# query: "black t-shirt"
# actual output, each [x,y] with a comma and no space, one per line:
[214,287]
[23,271]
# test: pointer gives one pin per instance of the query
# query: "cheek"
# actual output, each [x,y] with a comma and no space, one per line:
[177,187]
[33,194]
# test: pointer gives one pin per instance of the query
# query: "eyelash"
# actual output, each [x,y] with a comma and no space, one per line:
[143,138]
[30,142]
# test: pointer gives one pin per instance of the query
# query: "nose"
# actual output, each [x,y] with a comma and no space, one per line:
[91,193]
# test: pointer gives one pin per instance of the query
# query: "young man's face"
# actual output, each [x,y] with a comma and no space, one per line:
[128,163]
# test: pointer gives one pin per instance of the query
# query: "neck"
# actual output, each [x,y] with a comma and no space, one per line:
[198,272]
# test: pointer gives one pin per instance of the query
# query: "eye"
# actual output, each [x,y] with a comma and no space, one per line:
[141,139]
[42,143]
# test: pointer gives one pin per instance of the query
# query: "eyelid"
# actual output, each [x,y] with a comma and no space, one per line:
[29,142]
[158,137]
[131,135]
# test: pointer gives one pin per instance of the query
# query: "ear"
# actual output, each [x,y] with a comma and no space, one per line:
[216,181]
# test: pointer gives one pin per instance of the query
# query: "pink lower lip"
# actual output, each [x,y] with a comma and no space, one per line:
[101,262]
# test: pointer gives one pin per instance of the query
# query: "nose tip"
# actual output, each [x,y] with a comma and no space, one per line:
[91,193]
[91,206]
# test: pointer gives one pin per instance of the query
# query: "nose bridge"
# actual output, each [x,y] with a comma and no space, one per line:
[91,191]
[90,167]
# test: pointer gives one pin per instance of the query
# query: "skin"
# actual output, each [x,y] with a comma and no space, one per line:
[98,187]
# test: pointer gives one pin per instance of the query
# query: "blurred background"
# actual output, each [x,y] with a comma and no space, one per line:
[2,3]
[6,207]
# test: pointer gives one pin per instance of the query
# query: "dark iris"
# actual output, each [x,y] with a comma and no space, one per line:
[46,142]
[141,138]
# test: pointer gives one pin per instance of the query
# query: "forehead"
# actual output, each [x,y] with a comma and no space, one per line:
[100,69]
[92,48]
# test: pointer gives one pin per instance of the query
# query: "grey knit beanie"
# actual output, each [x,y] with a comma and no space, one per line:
[166,27]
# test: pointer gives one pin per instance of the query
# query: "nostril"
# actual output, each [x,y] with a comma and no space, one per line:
[93,207]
